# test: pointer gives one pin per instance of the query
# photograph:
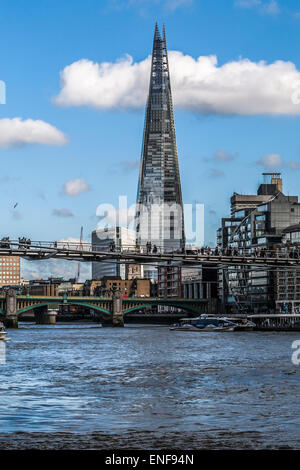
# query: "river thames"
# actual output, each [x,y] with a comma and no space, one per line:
[80,386]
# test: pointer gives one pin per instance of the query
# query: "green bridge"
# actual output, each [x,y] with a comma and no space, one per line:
[13,305]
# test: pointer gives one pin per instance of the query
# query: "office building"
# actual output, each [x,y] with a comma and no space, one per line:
[159,214]
[200,282]
[10,271]
[102,239]
[257,223]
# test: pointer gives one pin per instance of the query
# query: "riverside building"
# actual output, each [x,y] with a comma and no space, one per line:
[9,271]
[259,222]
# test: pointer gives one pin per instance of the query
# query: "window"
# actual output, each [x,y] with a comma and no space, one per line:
[263,208]
[240,213]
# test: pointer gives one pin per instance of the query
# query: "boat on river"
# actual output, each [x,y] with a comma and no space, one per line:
[204,323]
[211,323]
[2,332]
[242,324]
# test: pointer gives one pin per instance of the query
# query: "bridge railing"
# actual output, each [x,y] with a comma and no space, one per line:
[284,252]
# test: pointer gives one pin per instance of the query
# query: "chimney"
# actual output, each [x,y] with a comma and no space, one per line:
[277,180]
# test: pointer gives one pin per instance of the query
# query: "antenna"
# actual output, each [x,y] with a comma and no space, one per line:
[80,248]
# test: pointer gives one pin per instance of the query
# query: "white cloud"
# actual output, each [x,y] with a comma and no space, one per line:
[174,4]
[214,173]
[145,5]
[18,132]
[75,187]
[54,268]
[269,8]
[107,85]
[248,3]
[131,165]
[198,85]
[272,161]
[62,213]
[58,268]
[293,165]
[223,156]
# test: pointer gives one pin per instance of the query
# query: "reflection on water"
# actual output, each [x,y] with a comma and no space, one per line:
[79,378]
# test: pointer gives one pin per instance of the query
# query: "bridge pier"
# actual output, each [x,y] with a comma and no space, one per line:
[43,316]
[118,319]
[11,317]
[49,317]
[104,319]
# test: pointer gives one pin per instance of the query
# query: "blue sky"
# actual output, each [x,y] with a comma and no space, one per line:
[221,149]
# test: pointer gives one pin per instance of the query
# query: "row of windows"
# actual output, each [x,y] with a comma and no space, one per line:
[6,274]
[10,263]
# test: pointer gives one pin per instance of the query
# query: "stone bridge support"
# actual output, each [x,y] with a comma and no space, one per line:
[105,320]
[45,316]
[117,313]
[11,317]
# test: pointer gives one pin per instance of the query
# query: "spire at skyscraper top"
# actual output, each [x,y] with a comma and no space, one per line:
[156,32]
[159,68]
[157,35]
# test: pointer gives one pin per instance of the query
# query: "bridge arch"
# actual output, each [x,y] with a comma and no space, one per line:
[32,307]
[46,304]
[190,308]
[94,307]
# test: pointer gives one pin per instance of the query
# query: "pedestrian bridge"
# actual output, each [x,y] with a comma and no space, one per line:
[87,253]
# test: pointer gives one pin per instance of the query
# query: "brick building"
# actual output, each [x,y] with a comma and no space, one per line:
[169,281]
[128,287]
[10,271]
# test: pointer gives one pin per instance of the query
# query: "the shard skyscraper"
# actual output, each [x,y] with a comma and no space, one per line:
[159,214]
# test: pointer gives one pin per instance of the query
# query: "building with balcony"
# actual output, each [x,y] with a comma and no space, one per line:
[288,280]
[169,281]
[260,226]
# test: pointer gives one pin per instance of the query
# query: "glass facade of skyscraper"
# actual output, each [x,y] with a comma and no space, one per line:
[159,216]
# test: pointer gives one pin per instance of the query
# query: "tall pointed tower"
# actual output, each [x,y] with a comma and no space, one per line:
[159,214]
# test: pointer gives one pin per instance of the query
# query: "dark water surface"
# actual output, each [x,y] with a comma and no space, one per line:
[148,387]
